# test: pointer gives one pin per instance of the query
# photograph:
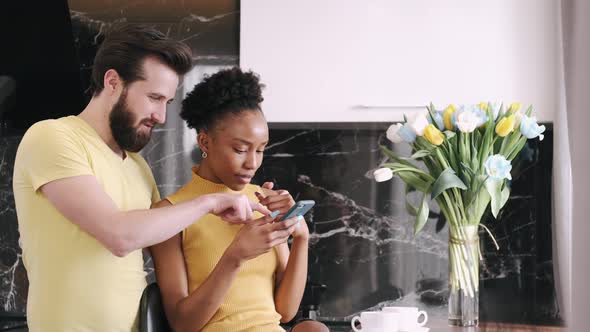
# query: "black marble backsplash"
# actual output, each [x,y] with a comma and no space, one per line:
[13,277]
[210,28]
[362,244]
[363,248]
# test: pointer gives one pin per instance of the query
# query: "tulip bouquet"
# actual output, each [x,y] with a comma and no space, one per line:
[467,151]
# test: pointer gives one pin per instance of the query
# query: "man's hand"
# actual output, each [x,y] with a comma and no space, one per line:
[259,236]
[235,209]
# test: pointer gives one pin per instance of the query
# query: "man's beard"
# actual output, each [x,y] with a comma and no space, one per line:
[121,122]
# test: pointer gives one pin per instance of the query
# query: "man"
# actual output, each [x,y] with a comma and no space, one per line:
[82,192]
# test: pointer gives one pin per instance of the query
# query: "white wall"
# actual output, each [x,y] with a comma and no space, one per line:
[371,60]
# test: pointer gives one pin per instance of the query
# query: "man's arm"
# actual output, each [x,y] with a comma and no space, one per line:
[82,200]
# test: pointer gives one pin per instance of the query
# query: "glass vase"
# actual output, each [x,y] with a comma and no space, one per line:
[463,275]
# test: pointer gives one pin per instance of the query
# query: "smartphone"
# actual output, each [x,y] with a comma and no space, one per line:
[299,209]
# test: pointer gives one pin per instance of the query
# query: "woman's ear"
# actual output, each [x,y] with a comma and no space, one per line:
[203,141]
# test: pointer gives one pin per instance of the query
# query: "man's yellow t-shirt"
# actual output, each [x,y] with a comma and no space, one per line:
[75,283]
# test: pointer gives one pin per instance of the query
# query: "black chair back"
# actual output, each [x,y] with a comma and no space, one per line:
[152,317]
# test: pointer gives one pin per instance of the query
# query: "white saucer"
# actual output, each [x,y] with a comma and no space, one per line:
[421,329]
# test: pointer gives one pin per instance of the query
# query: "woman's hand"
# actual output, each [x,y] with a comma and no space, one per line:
[275,200]
[259,236]
[282,201]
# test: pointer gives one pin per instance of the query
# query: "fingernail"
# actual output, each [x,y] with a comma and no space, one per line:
[299,218]
[274,214]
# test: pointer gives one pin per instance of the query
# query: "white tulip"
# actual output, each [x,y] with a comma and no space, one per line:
[418,122]
[383,174]
[466,120]
[393,133]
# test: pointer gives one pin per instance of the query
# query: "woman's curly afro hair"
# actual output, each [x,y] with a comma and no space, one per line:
[227,91]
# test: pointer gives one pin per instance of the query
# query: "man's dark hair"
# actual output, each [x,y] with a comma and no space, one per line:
[227,91]
[126,47]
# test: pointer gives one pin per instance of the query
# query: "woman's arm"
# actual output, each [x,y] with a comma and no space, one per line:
[184,312]
[191,312]
[291,273]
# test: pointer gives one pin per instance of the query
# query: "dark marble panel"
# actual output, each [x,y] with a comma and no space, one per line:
[13,278]
[363,248]
[210,28]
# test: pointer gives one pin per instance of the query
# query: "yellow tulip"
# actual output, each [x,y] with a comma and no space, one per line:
[514,107]
[448,116]
[483,105]
[433,135]
[505,126]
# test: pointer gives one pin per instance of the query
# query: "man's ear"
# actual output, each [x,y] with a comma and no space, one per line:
[112,81]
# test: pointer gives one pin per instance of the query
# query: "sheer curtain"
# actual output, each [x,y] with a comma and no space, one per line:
[562,193]
[573,206]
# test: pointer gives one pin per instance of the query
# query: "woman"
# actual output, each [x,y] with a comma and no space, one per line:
[215,276]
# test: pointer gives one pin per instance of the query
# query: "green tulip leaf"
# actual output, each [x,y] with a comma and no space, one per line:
[447,179]
[422,216]
[419,154]
[498,196]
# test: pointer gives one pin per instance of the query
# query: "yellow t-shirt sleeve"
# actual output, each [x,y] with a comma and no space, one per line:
[155,194]
[146,170]
[49,152]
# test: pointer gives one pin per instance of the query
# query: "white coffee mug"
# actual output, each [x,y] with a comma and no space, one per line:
[373,321]
[408,317]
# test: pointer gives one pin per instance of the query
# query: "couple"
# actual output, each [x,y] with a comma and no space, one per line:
[83,195]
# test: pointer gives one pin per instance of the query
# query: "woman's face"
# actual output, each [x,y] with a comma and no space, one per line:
[235,148]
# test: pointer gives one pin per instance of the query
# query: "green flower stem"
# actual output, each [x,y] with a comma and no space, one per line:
[451,209]
[464,282]
[463,274]
[471,259]
[464,261]
[517,147]
[457,264]
[460,208]
[468,146]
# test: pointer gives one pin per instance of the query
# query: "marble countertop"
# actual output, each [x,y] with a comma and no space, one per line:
[436,325]
[439,325]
